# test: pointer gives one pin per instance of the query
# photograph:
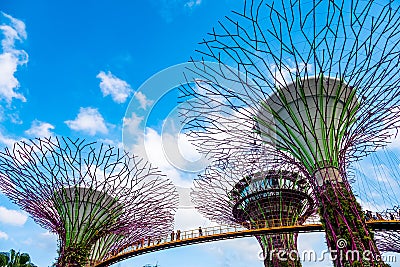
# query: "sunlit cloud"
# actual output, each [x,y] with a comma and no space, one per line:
[143,101]
[192,3]
[40,129]
[111,85]
[3,235]
[7,140]
[12,217]
[89,120]
[11,58]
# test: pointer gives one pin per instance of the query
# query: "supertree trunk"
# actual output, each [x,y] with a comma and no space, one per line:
[286,256]
[75,256]
[348,236]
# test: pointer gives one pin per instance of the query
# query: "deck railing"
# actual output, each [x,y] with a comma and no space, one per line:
[277,225]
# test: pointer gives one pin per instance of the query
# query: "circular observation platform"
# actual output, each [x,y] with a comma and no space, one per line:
[278,198]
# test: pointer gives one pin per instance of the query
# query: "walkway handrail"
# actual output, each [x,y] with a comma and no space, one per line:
[228,231]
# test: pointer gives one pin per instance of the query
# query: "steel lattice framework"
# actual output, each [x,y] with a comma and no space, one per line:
[318,82]
[96,198]
[389,240]
[247,189]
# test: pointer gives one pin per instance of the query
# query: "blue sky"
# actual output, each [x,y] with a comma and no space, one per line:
[74,68]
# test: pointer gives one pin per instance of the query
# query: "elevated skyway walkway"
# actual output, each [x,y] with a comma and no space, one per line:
[224,232]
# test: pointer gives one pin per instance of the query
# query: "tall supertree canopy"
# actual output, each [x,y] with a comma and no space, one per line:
[280,51]
[252,191]
[96,198]
[318,82]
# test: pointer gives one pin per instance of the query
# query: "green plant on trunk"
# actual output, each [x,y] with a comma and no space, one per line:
[76,256]
[342,213]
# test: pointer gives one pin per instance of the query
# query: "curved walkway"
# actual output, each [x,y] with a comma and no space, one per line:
[223,232]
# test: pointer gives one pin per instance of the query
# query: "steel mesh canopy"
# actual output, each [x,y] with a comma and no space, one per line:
[270,46]
[377,184]
[254,191]
[227,190]
[389,241]
[93,196]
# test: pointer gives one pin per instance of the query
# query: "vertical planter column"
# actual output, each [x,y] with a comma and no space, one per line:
[348,236]
[285,256]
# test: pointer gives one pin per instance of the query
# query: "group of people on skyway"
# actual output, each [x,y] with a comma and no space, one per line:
[378,216]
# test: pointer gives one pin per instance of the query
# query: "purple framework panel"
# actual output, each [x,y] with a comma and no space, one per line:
[250,189]
[96,198]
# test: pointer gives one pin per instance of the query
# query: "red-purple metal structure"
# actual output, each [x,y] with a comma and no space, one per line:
[248,189]
[389,241]
[96,198]
[317,82]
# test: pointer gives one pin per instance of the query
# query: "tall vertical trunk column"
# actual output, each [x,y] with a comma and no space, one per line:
[280,250]
[348,236]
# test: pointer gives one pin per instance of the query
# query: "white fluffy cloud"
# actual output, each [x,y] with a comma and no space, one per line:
[6,140]
[188,219]
[111,142]
[184,197]
[89,120]
[12,217]
[3,235]
[187,149]
[112,85]
[11,58]
[284,74]
[40,129]
[132,124]
[169,150]
[151,148]
[143,101]
[192,3]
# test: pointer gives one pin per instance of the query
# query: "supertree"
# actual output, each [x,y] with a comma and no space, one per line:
[250,190]
[318,82]
[94,197]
